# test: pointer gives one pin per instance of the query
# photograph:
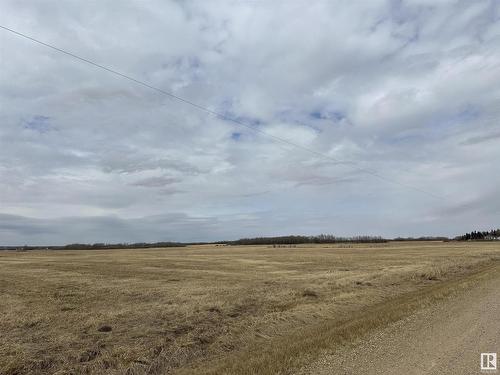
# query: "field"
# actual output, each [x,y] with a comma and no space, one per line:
[215,309]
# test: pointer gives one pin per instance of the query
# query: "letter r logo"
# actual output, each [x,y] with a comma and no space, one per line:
[488,361]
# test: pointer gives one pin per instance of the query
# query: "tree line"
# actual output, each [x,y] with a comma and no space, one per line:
[293,240]
[493,234]
[98,246]
[279,240]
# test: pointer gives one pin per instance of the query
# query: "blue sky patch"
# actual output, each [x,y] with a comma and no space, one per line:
[328,115]
[39,124]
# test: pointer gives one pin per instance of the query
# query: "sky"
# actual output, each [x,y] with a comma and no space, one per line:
[389,111]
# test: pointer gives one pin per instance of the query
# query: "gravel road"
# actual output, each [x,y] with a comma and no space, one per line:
[445,339]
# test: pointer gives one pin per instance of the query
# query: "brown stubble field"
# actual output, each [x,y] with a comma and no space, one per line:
[215,309]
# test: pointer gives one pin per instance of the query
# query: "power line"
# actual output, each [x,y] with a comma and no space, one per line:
[218,114]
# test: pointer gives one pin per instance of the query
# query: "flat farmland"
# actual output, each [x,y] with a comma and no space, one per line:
[216,309]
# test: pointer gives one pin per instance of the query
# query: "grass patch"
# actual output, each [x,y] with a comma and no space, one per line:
[287,354]
[208,309]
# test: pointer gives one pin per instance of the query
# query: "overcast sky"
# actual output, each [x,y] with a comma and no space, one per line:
[407,90]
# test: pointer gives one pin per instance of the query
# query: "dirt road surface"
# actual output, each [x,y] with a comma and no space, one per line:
[445,339]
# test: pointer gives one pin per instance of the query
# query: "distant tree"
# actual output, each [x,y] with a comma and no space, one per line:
[492,234]
[294,240]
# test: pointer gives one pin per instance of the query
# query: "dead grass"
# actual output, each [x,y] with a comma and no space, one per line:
[207,309]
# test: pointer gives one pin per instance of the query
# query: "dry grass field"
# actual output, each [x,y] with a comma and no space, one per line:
[215,309]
